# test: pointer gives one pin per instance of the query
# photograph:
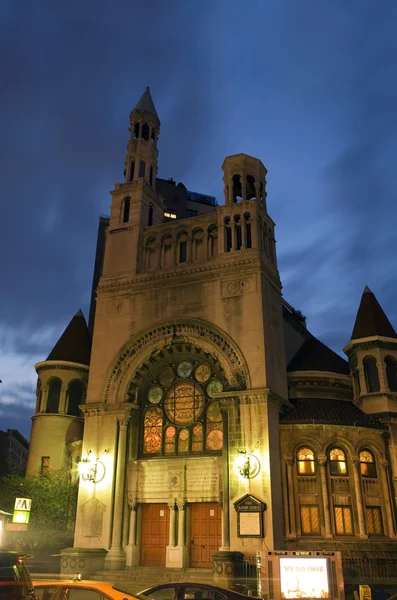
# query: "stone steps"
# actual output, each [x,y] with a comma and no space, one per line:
[136,579]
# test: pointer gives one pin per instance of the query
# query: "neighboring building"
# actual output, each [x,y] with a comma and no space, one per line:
[14,450]
[205,385]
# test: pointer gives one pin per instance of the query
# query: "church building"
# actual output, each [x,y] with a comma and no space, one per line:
[202,418]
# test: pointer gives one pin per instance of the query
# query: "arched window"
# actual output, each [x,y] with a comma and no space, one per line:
[136,131]
[337,462]
[153,136]
[54,394]
[248,236]
[251,194]
[237,188]
[367,464]
[142,168]
[371,374]
[76,396]
[132,171]
[228,235]
[151,176]
[391,373]
[145,131]
[153,429]
[150,217]
[305,461]
[126,209]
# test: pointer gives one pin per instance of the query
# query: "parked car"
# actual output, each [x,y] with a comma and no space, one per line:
[75,589]
[191,591]
[15,580]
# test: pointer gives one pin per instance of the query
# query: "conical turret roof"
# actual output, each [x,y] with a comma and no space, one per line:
[74,345]
[371,320]
[313,355]
[146,103]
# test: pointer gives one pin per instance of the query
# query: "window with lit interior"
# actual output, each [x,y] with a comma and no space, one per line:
[305,461]
[337,462]
[367,464]
[180,414]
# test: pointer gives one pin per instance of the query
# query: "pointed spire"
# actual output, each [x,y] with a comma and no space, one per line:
[371,320]
[74,345]
[146,103]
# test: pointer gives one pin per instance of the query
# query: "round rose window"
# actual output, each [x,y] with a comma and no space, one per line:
[184,402]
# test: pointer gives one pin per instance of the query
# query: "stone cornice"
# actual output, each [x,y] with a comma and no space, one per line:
[254,396]
[60,364]
[320,379]
[122,410]
[127,282]
[371,342]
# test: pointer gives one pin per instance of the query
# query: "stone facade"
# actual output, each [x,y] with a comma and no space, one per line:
[204,385]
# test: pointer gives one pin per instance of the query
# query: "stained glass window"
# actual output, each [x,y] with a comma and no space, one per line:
[184,418]
[184,403]
[337,462]
[197,442]
[183,441]
[305,461]
[153,430]
[169,442]
[214,427]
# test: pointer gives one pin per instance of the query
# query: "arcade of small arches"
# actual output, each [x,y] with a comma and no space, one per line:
[338,493]
[242,187]
[371,373]
[56,398]
[175,248]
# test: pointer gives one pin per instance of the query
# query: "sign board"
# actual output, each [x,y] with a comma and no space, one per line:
[23,504]
[21,516]
[304,578]
[300,575]
[16,526]
[249,516]
[365,592]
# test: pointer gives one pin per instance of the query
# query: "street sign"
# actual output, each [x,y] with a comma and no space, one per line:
[23,504]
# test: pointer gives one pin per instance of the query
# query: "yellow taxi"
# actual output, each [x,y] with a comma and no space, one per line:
[75,589]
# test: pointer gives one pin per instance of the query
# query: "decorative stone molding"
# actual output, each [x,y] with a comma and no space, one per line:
[205,335]
[238,287]
[116,306]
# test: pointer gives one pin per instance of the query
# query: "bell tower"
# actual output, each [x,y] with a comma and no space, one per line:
[135,203]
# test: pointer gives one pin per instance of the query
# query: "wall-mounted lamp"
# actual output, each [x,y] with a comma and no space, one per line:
[248,464]
[92,469]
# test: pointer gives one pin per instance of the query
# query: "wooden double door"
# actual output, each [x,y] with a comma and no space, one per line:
[204,531]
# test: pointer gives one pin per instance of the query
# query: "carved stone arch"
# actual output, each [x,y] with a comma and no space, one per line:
[373,446]
[165,333]
[339,442]
[300,441]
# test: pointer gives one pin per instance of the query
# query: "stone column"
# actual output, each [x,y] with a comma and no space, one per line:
[359,498]
[115,558]
[189,244]
[243,234]
[230,185]
[257,190]
[44,398]
[226,492]
[254,232]
[181,524]
[62,399]
[322,461]
[132,549]
[243,180]
[172,508]
[233,233]
[291,497]
[387,498]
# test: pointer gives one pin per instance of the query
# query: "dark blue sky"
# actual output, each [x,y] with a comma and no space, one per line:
[308,87]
